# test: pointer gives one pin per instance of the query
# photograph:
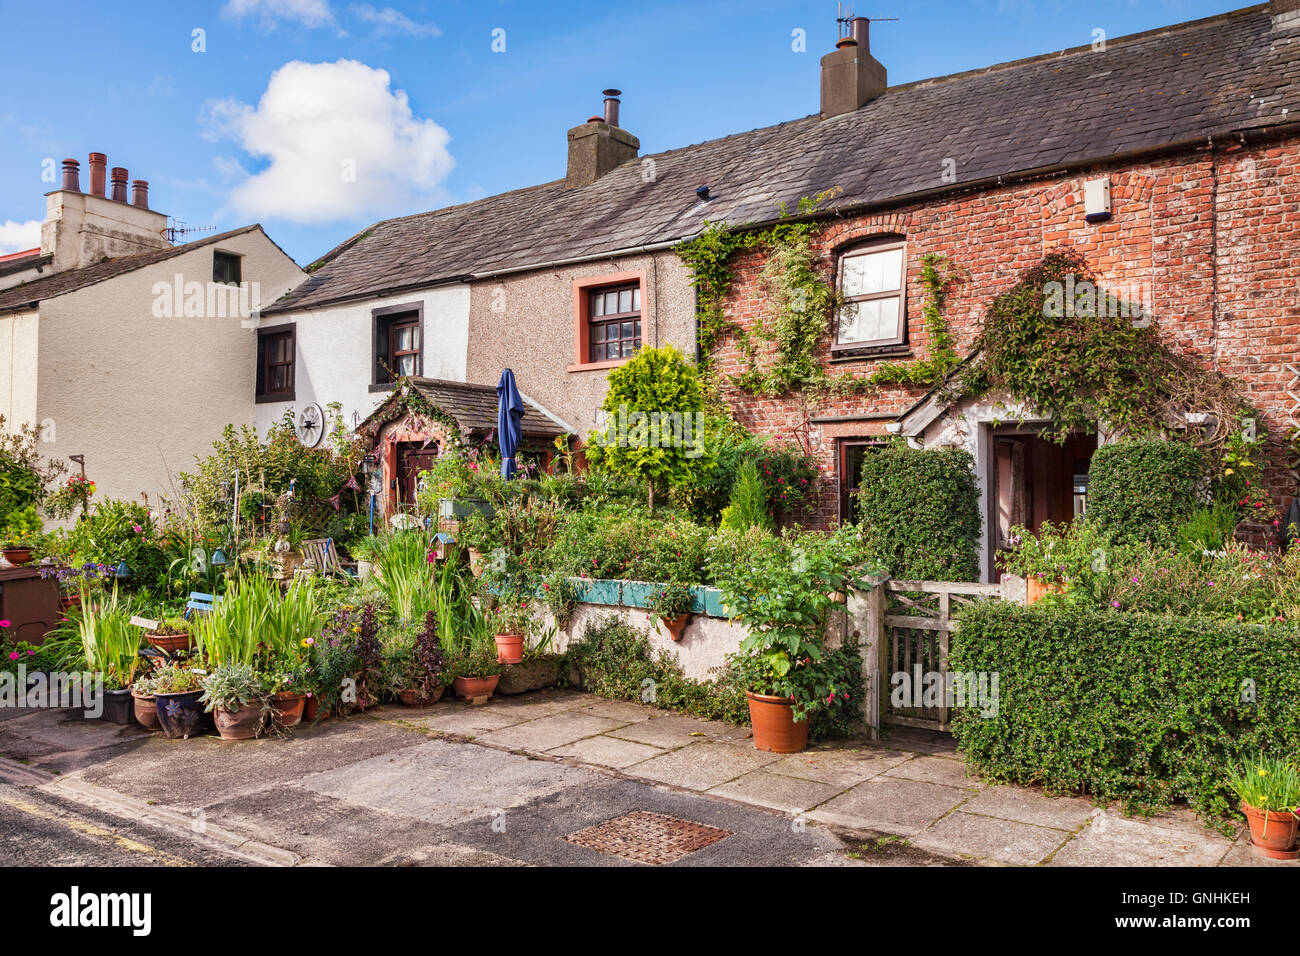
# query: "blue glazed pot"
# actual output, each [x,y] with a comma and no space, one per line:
[181,715]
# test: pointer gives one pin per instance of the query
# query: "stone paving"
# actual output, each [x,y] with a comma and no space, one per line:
[423,787]
[912,785]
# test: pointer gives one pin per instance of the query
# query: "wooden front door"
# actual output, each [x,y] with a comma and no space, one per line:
[412,458]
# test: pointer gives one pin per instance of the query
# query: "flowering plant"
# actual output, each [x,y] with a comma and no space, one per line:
[74,493]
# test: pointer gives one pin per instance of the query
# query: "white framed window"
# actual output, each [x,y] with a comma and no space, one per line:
[873,283]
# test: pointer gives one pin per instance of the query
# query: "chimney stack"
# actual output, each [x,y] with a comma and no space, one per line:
[599,145]
[98,166]
[119,179]
[72,175]
[140,193]
[851,76]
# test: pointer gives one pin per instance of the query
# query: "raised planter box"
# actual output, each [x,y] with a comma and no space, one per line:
[598,590]
[639,594]
[452,508]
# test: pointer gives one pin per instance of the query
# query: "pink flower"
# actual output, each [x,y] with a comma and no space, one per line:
[31,651]
[5,624]
[1114,603]
[137,529]
[13,655]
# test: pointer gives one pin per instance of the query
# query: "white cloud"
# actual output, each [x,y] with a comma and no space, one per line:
[309,13]
[389,21]
[339,144]
[19,236]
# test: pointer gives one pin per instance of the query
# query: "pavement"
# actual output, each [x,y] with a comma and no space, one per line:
[553,777]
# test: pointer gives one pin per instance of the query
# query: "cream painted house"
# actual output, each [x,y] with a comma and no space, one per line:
[126,349]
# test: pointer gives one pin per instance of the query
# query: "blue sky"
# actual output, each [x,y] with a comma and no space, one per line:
[266,124]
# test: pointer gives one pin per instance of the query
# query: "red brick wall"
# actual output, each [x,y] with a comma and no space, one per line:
[1214,237]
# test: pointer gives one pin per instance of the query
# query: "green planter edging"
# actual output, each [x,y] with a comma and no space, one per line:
[707,601]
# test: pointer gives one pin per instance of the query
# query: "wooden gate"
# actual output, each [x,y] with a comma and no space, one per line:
[917,623]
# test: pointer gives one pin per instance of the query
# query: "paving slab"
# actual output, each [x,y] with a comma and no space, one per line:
[623,710]
[445,782]
[1114,840]
[547,733]
[943,770]
[702,766]
[838,766]
[1243,854]
[317,826]
[455,718]
[1006,841]
[201,771]
[673,730]
[607,751]
[1030,806]
[890,804]
[788,794]
[533,705]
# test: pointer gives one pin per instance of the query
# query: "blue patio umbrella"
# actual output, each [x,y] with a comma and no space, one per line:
[510,429]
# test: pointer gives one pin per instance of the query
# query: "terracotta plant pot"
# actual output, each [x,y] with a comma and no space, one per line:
[1036,589]
[311,709]
[412,698]
[287,708]
[68,601]
[676,626]
[1272,833]
[471,687]
[475,563]
[146,711]
[17,556]
[242,724]
[510,648]
[170,643]
[181,715]
[775,729]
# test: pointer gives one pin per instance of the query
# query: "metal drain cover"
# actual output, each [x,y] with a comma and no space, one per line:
[648,837]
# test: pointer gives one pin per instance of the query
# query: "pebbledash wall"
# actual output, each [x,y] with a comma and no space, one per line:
[138,394]
[1211,235]
[334,345]
[525,321]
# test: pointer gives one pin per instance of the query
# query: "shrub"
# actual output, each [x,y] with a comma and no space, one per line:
[1144,490]
[615,660]
[748,507]
[654,384]
[787,474]
[920,512]
[1141,708]
[117,531]
[629,544]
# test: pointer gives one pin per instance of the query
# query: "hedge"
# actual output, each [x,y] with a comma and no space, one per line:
[920,511]
[1142,708]
[1144,490]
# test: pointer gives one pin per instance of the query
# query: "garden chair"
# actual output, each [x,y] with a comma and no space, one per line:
[322,553]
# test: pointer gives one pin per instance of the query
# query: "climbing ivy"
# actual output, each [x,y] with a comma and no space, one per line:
[780,348]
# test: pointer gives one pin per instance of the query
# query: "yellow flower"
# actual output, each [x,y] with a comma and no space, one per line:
[1227,471]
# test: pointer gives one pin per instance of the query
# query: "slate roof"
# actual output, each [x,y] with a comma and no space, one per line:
[1168,87]
[30,293]
[474,407]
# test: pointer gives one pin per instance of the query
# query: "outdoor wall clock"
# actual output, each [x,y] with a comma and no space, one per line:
[311,425]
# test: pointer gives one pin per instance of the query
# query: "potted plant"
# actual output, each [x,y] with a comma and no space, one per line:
[171,635]
[783,597]
[425,676]
[144,702]
[475,671]
[18,547]
[288,698]
[510,623]
[236,698]
[110,646]
[177,695]
[1269,791]
[670,605]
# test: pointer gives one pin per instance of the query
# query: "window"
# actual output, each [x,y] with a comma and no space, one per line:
[225,268]
[275,363]
[614,322]
[398,342]
[872,283]
[851,453]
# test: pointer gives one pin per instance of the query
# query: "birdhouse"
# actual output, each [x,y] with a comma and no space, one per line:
[442,543]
